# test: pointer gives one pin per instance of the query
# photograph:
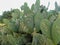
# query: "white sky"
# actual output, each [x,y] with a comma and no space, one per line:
[8,4]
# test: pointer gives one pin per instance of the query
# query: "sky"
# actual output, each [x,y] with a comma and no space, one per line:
[6,5]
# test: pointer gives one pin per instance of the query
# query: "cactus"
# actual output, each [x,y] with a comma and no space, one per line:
[39,39]
[57,7]
[10,25]
[45,27]
[35,26]
[36,39]
[25,8]
[38,17]
[55,31]
[32,7]
[37,6]
[28,24]
[13,24]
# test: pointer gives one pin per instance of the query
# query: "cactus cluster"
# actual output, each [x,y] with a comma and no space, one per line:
[35,26]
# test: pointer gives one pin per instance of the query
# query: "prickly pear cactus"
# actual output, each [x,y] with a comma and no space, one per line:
[49,42]
[11,26]
[45,27]
[11,40]
[36,39]
[38,18]
[56,31]
[27,24]
[39,39]
[37,6]
[6,21]
[32,7]
[25,8]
